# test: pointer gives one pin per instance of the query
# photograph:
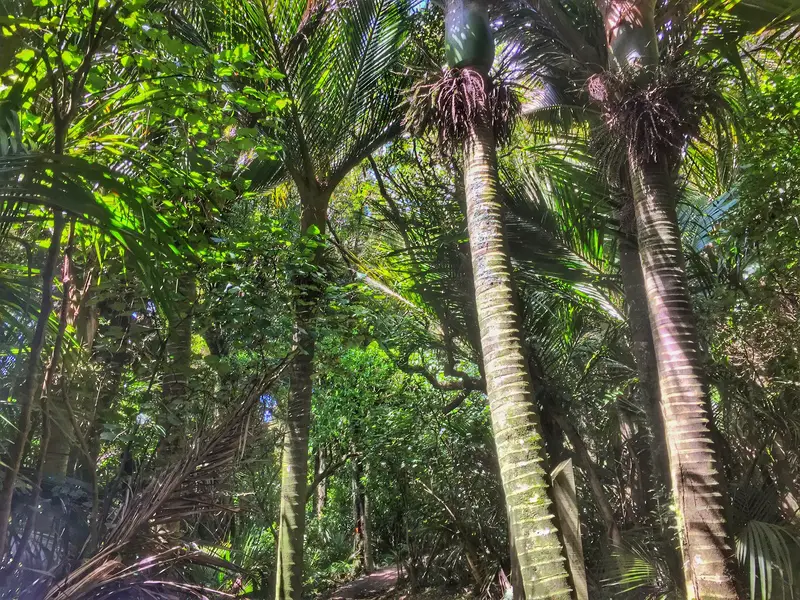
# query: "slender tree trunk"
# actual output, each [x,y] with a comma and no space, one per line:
[786,480]
[707,558]
[27,393]
[586,464]
[47,400]
[707,554]
[647,366]
[565,499]
[59,449]
[366,529]
[322,488]
[176,382]
[516,425]
[318,468]
[643,351]
[294,468]
[362,540]
[56,458]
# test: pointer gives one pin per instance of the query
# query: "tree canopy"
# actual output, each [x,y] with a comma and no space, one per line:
[495,299]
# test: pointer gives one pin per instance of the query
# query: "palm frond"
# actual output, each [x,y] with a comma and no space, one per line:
[765,550]
[639,569]
[160,501]
[340,72]
[94,194]
[559,224]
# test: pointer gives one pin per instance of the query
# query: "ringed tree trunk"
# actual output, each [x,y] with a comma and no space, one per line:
[655,459]
[294,467]
[696,481]
[694,465]
[516,426]
[515,423]
[643,352]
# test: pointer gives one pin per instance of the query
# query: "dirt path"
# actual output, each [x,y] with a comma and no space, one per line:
[368,586]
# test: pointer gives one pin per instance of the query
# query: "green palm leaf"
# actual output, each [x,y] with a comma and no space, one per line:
[340,72]
[764,550]
[94,194]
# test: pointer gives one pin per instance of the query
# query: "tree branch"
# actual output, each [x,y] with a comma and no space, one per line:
[465,382]
[456,402]
[329,470]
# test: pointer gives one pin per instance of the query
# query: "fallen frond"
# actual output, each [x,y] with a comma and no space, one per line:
[138,527]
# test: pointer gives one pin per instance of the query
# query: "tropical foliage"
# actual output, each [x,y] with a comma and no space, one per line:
[497,298]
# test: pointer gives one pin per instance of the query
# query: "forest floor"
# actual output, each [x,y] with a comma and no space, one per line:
[382,585]
[376,585]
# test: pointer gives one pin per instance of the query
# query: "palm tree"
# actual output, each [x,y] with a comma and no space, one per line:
[337,66]
[469,108]
[650,157]
[706,552]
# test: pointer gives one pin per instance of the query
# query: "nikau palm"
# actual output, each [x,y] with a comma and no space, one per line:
[337,61]
[472,110]
[673,101]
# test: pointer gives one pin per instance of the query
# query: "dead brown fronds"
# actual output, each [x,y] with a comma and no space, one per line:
[454,101]
[140,526]
[652,116]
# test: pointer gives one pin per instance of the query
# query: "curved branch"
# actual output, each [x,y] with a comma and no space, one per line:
[329,470]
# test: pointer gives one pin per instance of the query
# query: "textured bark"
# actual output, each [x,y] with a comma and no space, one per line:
[706,552]
[516,426]
[516,576]
[707,559]
[655,459]
[291,533]
[786,480]
[630,31]
[31,383]
[59,449]
[643,351]
[294,468]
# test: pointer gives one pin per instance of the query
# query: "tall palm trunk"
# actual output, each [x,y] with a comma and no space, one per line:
[695,478]
[707,555]
[656,457]
[294,467]
[643,352]
[516,426]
